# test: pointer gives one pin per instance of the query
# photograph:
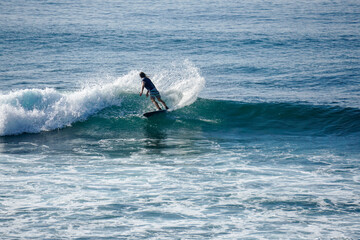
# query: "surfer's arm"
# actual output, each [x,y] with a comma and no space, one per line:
[142,88]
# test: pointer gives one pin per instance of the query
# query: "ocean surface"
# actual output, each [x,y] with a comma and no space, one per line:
[262,140]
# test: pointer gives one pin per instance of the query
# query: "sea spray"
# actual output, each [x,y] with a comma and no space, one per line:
[179,83]
[182,83]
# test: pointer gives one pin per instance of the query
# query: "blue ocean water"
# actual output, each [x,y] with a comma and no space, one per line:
[262,140]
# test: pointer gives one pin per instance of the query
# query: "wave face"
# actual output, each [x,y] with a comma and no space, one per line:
[291,118]
[35,110]
[231,119]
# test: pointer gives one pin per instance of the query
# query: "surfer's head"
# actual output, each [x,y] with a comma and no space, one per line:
[142,75]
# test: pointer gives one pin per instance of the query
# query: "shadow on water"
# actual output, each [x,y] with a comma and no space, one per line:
[155,135]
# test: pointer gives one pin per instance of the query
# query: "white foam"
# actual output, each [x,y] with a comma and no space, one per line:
[182,84]
[35,110]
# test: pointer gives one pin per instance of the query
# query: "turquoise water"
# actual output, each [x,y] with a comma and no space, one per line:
[262,140]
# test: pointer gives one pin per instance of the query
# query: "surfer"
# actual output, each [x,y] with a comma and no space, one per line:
[150,87]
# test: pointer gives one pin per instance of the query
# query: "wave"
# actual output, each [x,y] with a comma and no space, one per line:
[283,118]
[226,119]
[35,110]
[105,112]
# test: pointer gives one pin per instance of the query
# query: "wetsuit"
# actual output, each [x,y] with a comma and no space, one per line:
[151,87]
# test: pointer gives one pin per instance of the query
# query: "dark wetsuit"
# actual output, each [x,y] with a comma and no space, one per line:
[150,87]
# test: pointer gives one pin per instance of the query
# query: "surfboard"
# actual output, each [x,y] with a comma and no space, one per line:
[149,114]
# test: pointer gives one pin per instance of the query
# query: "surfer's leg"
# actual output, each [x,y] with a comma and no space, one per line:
[156,104]
[163,103]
